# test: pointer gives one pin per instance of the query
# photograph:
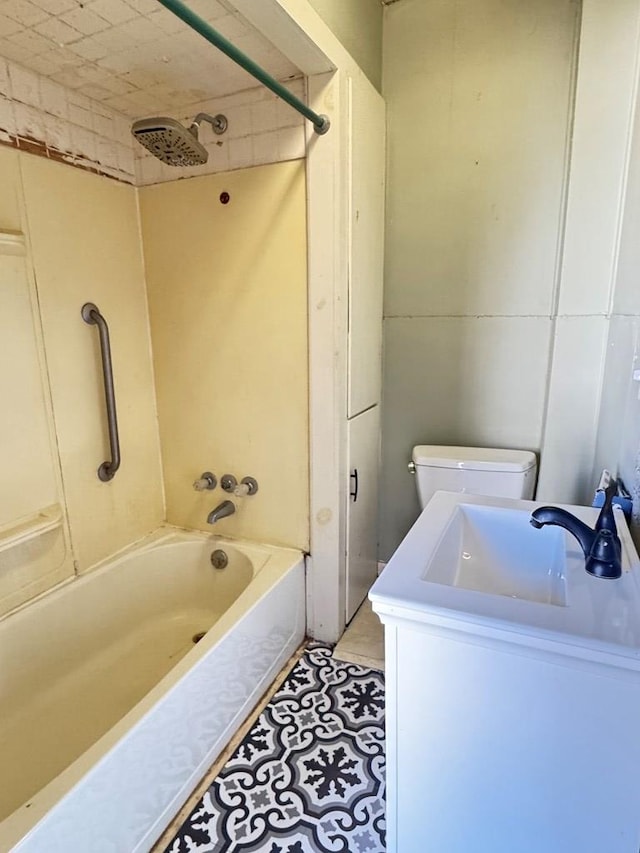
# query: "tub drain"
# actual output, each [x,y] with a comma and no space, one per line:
[197,637]
[219,559]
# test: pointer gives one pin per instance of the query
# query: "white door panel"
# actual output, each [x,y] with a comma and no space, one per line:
[366,250]
[363,438]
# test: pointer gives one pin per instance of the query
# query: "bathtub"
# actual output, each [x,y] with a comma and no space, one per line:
[113,699]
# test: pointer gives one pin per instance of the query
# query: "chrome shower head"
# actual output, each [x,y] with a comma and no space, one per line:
[172,142]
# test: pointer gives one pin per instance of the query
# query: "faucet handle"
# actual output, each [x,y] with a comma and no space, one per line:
[247,486]
[606,520]
[605,559]
[207,481]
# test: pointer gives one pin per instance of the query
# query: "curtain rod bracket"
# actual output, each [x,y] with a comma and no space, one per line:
[323,125]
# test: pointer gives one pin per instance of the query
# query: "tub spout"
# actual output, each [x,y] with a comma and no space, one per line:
[221,511]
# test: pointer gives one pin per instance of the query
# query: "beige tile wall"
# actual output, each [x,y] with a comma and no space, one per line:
[133,55]
[228,304]
[42,116]
[39,114]
[262,129]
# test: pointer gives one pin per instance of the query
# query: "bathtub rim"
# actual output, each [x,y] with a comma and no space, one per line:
[157,537]
[19,825]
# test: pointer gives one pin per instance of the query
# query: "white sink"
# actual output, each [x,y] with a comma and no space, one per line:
[496,551]
[477,560]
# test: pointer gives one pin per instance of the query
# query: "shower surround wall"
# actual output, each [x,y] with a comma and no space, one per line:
[86,247]
[227,286]
[83,244]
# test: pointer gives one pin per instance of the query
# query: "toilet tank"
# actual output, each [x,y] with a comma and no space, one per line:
[476,470]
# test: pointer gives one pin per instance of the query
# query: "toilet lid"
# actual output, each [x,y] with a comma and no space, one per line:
[474,458]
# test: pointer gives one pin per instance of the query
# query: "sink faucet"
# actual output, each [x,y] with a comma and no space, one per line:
[601,545]
[221,511]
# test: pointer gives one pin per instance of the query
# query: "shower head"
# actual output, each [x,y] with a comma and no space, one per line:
[172,142]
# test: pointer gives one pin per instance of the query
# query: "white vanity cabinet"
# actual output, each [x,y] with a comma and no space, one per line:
[493,748]
[513,718]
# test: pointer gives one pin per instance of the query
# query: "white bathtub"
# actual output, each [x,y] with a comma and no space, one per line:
[109,713]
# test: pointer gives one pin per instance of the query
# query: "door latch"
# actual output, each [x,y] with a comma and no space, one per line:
[354,485]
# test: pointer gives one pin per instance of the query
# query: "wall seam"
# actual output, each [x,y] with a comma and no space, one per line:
[562,227]
[163,491]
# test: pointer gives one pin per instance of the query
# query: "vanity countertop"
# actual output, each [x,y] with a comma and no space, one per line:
[476,563]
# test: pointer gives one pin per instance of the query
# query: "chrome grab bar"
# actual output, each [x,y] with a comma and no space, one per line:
[91,315]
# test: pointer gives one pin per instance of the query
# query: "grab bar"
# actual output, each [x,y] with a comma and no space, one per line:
[91,315]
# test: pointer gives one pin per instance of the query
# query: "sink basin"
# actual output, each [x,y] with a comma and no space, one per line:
[496,551]
[476,564]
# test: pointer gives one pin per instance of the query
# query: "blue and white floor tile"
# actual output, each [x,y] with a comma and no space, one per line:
[309,775]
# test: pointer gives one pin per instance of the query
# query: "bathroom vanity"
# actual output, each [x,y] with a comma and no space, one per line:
[513,686]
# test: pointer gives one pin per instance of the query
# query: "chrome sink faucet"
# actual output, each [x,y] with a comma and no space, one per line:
[601,545]
[221,511]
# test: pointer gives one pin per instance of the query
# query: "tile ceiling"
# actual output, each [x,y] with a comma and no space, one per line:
[133,55]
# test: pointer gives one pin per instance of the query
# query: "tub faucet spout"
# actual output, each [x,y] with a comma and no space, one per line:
[221,511]
[601,546]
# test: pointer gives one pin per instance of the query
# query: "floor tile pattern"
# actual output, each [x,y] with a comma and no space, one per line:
[309,775]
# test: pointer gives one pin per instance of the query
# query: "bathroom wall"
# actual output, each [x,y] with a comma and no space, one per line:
[26,453]
[479,101]
[81,243]
[618,441]
[618,438]
[228,303]
[593,254]
[85,246]
[34,540]
[358,25]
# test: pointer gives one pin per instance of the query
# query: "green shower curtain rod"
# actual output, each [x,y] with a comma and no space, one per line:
[320,122]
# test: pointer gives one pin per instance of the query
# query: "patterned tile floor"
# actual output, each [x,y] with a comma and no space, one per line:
[309,775]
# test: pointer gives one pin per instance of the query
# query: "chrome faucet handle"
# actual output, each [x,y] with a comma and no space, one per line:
[206,482]
[247,486]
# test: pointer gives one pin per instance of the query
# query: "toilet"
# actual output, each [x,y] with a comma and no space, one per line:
[475,470]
